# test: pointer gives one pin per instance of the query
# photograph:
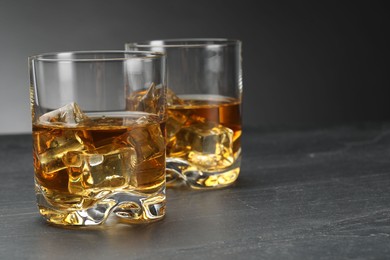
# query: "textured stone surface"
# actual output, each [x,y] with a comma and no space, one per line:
[311,194]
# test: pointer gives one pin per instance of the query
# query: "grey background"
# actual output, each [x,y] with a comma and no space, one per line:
[304,63]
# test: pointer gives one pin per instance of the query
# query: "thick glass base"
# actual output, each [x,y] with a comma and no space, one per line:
[180,172]
[130,207]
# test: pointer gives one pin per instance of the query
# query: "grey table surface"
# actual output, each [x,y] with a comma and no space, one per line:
[307,194]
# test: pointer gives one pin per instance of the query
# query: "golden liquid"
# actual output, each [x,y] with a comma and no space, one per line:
[188,128]
[75,167]
[203,135]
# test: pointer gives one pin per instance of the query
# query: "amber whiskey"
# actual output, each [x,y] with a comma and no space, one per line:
[79,166]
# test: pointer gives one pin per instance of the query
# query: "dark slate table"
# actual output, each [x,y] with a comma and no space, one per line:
[307,194]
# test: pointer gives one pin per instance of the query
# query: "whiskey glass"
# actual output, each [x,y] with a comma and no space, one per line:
[94,157]
[204,98]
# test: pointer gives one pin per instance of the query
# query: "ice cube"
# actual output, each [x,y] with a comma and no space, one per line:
[103,143]
[146,101]
[52,144]
[144,120]
[175,121]
[55,148]
[173,99]
[178,115]
[209,145]
[69,114]
[149,173]
[148,141]
[98,172]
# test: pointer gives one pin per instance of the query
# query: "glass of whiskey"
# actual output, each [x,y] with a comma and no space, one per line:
[204,78]
[94,158]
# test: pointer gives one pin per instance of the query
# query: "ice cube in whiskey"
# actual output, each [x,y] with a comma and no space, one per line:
[209,146]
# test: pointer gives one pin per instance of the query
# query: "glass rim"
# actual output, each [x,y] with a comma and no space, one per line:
[69,55]
[186,42]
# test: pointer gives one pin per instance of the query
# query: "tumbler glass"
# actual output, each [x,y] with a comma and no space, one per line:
[94,158]
[204,78]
